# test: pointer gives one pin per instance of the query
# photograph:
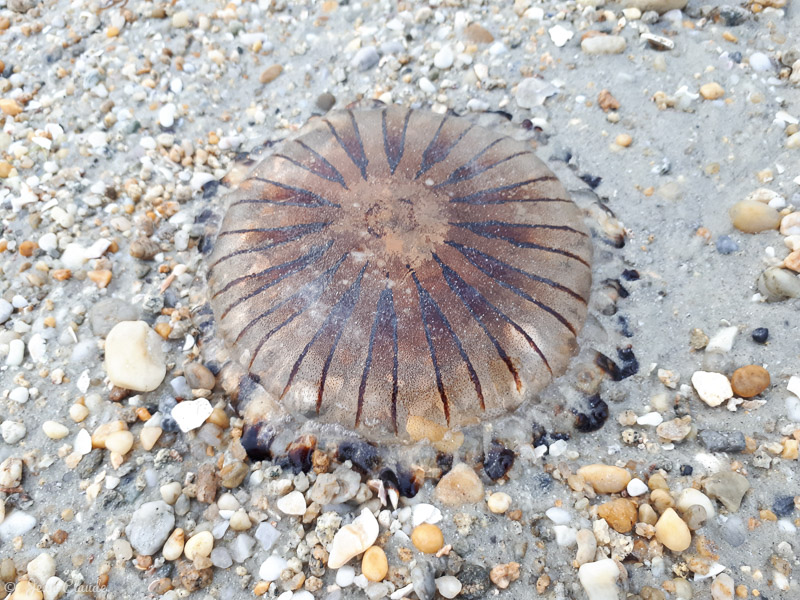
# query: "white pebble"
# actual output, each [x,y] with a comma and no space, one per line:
[48,242]
[599,579]
[191,414]
[690,497]
[760,62]
[19,395]
[55,430]
[560,35]
[636,487]
[713,388]
[345,576]
[652,418]
[448,586]
[37,347]
[97,139]
[353,539]
[443,59]
[722,341]
[426,85]
[794,385]
[12,431]
[559,516]
[41,568]
[83,442]
[425,513]
[565,536]
[293,503]
[135,359]
[16,353]
[271,569]
[166,115]
[15,524]
[603,44]
[6,310]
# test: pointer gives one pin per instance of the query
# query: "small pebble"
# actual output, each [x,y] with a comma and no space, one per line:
[150,526]
[191,414]
[604,44]
[55,430]
[173,547]
[270,74]
[750,216]
[11,472]
[366,58]
[619,513]
[599,579]
[713,388]
[726,245]
[181,19]
[443,59]
[374,564]
[427,538]
[459,486]
[728,487]
[120,442]
[134,357]
[271,569]
[499,502]
[41,568]
[605,479]
[722,441]
[624,140]
[199,545]
[723,587]
[673,532]
[448,586]
[293,503]
[749,381]
[587,546]
[711,91]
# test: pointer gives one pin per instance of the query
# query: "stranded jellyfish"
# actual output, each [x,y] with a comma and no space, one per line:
[391,269]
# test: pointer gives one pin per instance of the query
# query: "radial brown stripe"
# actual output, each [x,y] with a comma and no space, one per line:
[389,264]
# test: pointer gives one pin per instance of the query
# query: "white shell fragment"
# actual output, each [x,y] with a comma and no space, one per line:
[353,539]
[191,414]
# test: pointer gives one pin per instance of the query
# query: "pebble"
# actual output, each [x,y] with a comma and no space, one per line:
[135,359]
[722,441]
[475,32]
[166,115]
[19,395]
[778,284]
[266,535]
[604,44]
[751,216]
[722,340]
[749,381]
[783,506]
[191,414]
[353,539]
[271,569]
[150,527]
[499,502]
[199,545]
[221,558]
[459,486]
[173,547]
[712,91]
[16,353]
[242,547]
[366,58]
[532,92]
[605,479]
[374,564]
[673,532]
[293,503]
[170,492]
[713,388]
[690,496]
[41,568]
[198,376]
[12,431]
[660,6]
[270,74]
[345,576]
[11,472]
[557,515]
[619,513]
[120,442]
[676,429]
[6,310]
[427,538]
[448,586]
[25,590]
[587,546]
[55,430]
[726,245]
[728,487]
[181,19]
[444,58]
[560,35]
[722,587]
[423,581]
[790,224]
[599,579]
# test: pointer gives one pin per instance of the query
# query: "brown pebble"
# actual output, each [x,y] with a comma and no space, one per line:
[749,381]
[606,101]
[751,216]
[194,579]
[144,248]
[475,32]
[26,248]
[232,474]
[118,394]
[198,376]
[503,575]
[270,74]
[5,169]
[427,538]
[206,483]
[620,514]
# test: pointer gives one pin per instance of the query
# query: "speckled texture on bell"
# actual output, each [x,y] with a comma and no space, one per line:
[391,263]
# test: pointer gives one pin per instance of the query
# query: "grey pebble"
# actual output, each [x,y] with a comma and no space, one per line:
[366,58]
[422,577]
[726,245]
[728,487]
[722,441]
[474,581]
[221,558]
[150,527]
[242,547]
[734,532]
[108,312]
[326,101]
